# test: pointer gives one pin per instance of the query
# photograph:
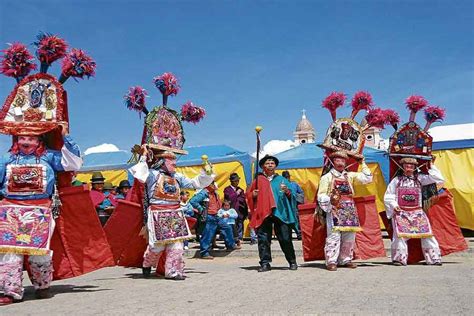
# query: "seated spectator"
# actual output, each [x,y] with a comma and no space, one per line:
[228,215]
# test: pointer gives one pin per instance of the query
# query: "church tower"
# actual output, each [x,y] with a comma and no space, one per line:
[372,136]
[304,132]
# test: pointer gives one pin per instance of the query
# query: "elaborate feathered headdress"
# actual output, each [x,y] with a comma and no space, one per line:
[38,103]
[345,133]
[163,129]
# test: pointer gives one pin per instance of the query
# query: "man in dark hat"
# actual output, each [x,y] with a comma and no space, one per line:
[236,196]
[335,198]
[98,197]
[271,205]
[403,203]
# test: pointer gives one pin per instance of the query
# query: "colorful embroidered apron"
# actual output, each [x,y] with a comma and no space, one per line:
[411,221]
[167,223]
[26,226]
[344,214]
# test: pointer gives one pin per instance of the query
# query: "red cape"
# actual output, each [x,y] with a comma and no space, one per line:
[79,244]
[97,197]
[444,225]
[369,243]
[123,229]
[265,201]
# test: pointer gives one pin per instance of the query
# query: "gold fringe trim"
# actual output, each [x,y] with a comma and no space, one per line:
[24,251]
[170,241]
[414,235]
[347,229]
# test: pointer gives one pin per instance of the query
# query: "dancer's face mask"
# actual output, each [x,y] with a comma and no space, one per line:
[28,144]
[339,164]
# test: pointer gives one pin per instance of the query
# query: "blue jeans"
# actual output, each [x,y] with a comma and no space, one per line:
[212,222]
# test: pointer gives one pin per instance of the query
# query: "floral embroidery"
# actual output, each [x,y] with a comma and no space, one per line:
[412,224]
[169,225]
[27,230]
[7,236]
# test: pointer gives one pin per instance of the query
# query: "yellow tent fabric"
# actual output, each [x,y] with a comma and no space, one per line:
[457,167]
[222,171]
[113,176]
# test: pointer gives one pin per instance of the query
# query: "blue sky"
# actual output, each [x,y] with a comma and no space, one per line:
[251,62]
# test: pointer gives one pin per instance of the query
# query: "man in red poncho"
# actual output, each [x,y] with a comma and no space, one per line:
[272,206]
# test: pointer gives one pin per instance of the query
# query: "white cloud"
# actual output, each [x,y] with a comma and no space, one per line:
[276,146]
[104,148]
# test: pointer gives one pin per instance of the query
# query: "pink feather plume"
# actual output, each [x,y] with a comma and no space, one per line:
[375,118]
[192,113]
[392,118]
[135,99]
[333,102]
[167,84]
[415,103]
[362,100]
[434,113]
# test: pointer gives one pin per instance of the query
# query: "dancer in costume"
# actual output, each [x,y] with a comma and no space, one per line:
[335,197]
[412,196]
[35,114]
[343,145]
[163,139]
[403,204]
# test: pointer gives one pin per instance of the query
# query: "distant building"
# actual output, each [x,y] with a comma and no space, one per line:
[304,132]
[373,139]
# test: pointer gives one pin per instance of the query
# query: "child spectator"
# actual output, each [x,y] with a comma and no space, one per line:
[228,215]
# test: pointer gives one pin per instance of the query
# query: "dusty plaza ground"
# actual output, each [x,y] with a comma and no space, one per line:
[231,285]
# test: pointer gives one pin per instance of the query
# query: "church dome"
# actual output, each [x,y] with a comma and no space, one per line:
[304,125]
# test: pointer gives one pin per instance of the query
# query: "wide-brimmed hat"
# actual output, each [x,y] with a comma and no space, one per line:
[108,186]
[268,157]
[408,160]
[339,154]
[234,176]
[97,177]
[124,184]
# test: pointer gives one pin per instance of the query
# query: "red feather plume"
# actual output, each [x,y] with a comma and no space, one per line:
[50,48]
[362,100]
[334,101]
[375,118]
[16,61]
[392,118]
[77,64]
[415,103]
[192,113]
[434,113]
[135,99]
